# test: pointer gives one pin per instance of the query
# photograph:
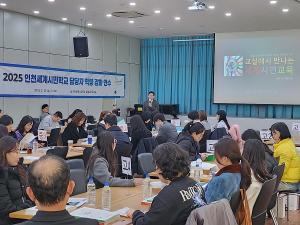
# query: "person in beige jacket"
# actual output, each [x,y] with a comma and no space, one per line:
[254,153]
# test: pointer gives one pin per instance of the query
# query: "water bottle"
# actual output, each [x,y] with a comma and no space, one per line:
[90,139]
[146,187]
[106,197]
[91,192]
[197,171]
[35,146]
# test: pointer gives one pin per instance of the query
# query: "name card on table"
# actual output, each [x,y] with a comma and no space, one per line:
[296,127]
[126,165]
[42,135]
[210,145]
[265,134]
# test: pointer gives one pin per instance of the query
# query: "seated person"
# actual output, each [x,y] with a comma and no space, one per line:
[70,117]
[189,139]
[174,202]
[285,150]
[254,153]
[75,129]
[7,121]
[24,127]
[50,191]
[147,118]
[166,131]
[123,147]
[271,162]
[12,180]
[3,131]
[138,131]
[45,111]
[51,122]
[203,120]
[101,123]
[234,172]
[194,116]
[222,121]
[103,163]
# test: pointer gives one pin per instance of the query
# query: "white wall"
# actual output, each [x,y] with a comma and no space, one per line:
[30,40]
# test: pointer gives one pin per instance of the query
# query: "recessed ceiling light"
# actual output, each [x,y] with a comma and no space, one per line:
[108,15]
[36,12]
[131,21]
[228,14]
[285,10]
[51,0]
[157,11]
[89,24]
[177,18]
[64,19]
[273,2]
[82,8]
[132,4]
[3,4]
[211,7]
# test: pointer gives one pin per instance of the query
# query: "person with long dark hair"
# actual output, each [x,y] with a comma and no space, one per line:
[285,150]
[7,121]
[70,117]
[271,162]
[24,127]
[234,172]
[222,120]
[75,129]
[189,139]
[103,163]
[13,180]
[174,202]
[138,131]
[254,153]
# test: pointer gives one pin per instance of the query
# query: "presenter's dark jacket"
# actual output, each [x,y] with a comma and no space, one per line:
[12,193]
[172,205]
[188,144]
[73,132]
[154,107]
[58,218]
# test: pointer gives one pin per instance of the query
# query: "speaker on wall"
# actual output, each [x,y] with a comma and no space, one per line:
[81,47]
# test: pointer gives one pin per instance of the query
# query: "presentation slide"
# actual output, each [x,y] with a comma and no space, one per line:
[257,67]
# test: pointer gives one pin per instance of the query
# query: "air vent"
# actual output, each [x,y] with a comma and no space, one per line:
[128,14]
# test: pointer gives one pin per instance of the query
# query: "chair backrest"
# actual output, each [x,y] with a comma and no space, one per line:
[146,162]
[58,151]
[278,171]
[54,135]
[76,164]
[78,176]
[235,201]
[86,155]
[262,202]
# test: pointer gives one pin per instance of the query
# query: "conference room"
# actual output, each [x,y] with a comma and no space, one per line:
[149,112]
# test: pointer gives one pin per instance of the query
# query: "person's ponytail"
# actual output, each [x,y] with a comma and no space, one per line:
[245,174]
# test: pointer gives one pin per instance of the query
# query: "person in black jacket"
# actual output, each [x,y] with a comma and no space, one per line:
[174,202]
[166,131]
[271,162]
[12,180]
[123,146]
[189,139]
[147,118]
[138,131]
[50,190]
[75,129]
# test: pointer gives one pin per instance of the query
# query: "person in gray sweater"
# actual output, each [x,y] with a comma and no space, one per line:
[166,131]
[103,163]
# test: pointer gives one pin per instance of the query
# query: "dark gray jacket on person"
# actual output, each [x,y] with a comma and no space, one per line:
[188,144]
[12,194]
[167,133]
[58,218]
[151,107]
